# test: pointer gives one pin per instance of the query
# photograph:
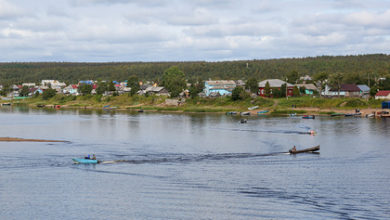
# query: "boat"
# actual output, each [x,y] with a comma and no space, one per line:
[383,114]
[307,150]
[337,114]
[253,108]
[262,112]
[243,120]
[245,113]
[6,104]
[293,114]
[231,113]
[140,110]
[309,117]
[84,161]
[353,114]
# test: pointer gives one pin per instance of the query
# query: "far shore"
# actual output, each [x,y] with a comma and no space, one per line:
[304,110]
[13,139]
[278,106]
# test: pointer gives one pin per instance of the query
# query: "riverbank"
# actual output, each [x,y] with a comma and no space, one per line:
[281,106]
[13,139]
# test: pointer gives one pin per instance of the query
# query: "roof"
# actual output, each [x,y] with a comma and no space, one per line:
[347,88]
[154,89]
[275,83]
[383,93]
[364,88]
[308,86]
[306,78]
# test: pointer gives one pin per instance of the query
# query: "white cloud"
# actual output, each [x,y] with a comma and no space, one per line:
[154,30]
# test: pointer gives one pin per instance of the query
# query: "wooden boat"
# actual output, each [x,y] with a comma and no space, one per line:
[353,114]
[84,161]
[309,117]
[253,108]
[307,150]
[245,113]
[337,114]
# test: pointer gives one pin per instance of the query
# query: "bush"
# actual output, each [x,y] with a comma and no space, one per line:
[355,103]
[48,93]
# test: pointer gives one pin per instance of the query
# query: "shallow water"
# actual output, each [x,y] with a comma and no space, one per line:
[192,166]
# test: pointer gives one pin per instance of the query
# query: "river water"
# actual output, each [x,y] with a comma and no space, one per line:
[192,166]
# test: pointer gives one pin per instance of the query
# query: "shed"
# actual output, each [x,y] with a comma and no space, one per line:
[386,105]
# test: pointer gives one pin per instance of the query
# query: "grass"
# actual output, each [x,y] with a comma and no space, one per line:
[220,104]
[341,103]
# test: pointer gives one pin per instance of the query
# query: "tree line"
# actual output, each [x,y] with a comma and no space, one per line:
[354,69]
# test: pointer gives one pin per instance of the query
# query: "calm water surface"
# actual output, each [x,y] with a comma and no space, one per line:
[192,166]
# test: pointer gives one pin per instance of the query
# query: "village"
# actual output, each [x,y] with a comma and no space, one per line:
[272,88]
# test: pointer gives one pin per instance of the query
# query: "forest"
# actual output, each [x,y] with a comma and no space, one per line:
[354,68]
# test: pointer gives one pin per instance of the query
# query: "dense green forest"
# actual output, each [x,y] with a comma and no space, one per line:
[356,69]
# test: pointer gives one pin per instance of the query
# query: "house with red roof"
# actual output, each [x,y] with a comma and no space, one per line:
[384,94]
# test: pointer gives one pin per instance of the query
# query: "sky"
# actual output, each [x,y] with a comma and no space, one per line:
[190,30]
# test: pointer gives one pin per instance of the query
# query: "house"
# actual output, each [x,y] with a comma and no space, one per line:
[384,94]
[29,84]
[346,90]
[71,90]
[274,84]
[364,90]
[158,91]
[309,88]
[33,91]
[223,87]
[88,82]
[240,83]
[305,78]
[55,84]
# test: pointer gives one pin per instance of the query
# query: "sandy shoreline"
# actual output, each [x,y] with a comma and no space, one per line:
[13,139]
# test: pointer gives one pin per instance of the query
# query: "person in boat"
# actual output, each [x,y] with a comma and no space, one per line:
[294,149]
[87,157]
[93,157]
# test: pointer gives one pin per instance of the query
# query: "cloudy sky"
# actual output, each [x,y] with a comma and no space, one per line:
[188,30]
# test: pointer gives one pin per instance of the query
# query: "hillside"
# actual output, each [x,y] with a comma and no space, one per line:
[356,69]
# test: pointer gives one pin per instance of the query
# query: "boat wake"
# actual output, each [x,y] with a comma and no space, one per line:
[190,158]
[270,131]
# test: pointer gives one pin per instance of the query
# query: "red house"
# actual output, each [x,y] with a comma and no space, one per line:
[275,84]
[384,94]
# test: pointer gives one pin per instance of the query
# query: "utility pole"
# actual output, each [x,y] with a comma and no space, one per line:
[286,88]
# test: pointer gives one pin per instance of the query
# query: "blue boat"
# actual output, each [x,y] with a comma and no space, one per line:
[262,112]
[309,117]
[85,161]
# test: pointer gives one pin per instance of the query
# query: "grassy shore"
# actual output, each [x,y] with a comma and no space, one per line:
[299,105]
